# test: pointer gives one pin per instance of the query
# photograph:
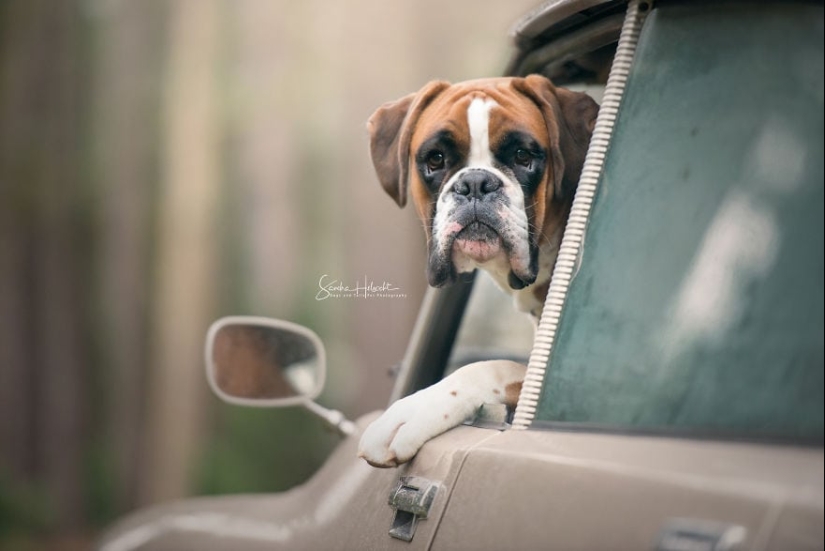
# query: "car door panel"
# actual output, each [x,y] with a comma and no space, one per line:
[603,491]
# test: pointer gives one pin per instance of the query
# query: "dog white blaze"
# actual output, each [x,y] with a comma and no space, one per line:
[481,156]
[478,120]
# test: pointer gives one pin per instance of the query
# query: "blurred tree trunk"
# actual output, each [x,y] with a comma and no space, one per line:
[45,248]
[184,289]
[126,127]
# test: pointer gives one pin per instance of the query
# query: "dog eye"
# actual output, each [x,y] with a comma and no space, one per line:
[435,161]
[523,157]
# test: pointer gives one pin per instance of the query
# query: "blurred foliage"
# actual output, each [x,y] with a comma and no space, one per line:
[24,507]
[259,450]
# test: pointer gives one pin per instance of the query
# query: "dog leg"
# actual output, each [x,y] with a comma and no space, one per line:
[399,433]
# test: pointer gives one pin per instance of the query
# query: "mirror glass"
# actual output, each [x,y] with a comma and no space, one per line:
[262,362]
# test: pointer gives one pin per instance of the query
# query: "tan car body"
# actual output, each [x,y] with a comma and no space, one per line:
[518,490]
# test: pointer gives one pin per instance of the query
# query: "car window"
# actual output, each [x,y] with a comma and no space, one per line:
[698,305]
[491,327]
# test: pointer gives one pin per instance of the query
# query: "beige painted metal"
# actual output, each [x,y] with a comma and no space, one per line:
[344,506]
[515,490]
[574,490]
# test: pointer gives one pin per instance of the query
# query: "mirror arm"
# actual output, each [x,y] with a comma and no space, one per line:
[333,418]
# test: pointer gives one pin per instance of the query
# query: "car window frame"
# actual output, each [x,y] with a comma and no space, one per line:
[731,435]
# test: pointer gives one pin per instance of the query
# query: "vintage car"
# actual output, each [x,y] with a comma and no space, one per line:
[674,395]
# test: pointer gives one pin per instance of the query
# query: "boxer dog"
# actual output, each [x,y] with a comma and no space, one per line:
[491,166]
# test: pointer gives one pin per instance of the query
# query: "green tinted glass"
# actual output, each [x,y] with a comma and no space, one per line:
[699,303]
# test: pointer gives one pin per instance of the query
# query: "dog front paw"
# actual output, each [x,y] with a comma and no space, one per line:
[399,433]
[396,436]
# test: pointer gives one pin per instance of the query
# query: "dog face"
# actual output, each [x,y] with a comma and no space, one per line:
[491,166]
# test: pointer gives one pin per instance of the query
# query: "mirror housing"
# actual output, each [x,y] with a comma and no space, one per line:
[264,362]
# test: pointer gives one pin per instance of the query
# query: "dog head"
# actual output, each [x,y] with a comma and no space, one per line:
[491,166]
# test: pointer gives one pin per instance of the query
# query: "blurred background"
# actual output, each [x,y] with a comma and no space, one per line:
[165,163]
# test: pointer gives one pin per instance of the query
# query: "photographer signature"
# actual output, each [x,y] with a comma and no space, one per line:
[335,288]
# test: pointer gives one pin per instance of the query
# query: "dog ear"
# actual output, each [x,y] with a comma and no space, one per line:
[570,118]
[391,128]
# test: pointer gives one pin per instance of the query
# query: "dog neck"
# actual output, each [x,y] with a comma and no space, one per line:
[531,298]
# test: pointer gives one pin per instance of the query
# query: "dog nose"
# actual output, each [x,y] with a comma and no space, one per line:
[476,184]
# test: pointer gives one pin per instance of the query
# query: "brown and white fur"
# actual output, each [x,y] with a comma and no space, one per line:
[491,166]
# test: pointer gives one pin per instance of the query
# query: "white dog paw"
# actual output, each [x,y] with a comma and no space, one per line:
[399,433]
[396,436]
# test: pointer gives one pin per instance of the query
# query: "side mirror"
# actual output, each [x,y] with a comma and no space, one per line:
[254,361]
[263,362]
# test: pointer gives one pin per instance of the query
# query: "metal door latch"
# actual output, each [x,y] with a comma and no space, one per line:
[691,533]
[411,498]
